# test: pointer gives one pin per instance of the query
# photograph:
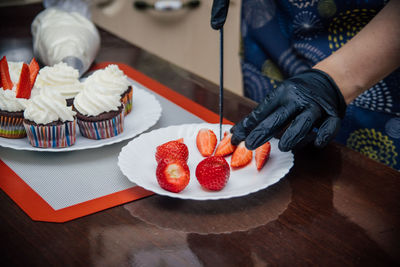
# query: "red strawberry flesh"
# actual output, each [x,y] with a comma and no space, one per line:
[262,155]
[225,147]
[241,156]
[5,75]
[34,70]
[24,84]
[206,141]
[173,175]
[213,173]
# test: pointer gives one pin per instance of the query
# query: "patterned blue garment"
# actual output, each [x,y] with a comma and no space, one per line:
[283,38]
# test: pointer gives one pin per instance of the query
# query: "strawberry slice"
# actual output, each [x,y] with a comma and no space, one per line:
[5,75]
[173,150]
[241,156]
[225,147]
[262,155]
[206,142]
[173,175]
[34,70]
[24,84]
[213,173]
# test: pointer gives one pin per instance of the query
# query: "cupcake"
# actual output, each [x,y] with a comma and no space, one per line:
[114,80]
[62,78]
[11,114]
[15,91]
[48,121]
[100,112]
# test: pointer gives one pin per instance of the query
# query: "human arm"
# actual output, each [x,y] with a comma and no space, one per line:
[311,100]
[369,56]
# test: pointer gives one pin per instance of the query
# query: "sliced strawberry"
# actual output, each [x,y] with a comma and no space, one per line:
[262,155]
[213,173]
[34,70]
[5,75]
[225,147]
[173,175]
[24,84]
[241,156]
[172,150]
[206,142]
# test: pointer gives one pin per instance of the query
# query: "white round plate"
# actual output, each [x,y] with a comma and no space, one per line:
[137,162]
[145,113]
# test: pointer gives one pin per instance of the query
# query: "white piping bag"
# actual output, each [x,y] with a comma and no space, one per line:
[68,36]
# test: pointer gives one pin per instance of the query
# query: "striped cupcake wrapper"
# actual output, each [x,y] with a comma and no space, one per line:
[54,136]
[127,101]
[12,127]
[102,129]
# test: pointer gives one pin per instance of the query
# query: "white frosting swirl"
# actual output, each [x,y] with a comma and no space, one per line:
[9,102]
[94,100]
[110,79]
[60,77]
[48,106]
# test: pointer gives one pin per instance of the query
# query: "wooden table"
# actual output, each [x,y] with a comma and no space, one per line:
[334,208]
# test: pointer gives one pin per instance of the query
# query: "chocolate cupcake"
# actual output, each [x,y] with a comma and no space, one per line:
[100,113]
[48,121]
[113,80]
[11,106]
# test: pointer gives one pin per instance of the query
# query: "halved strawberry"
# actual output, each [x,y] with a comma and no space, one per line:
[173,175]
[24,84]
[241,156]
[175,149]
[213,173]
[34,70]
[262,155]
[206,142]
[225,147]
[5,75]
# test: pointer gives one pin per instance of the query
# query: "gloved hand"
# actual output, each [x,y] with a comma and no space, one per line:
[307,100]
[219,12]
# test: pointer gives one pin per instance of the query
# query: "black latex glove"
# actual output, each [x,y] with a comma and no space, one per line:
[307,100]
[219,12]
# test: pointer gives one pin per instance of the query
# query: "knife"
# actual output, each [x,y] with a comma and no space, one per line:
[221,80]
[218,16]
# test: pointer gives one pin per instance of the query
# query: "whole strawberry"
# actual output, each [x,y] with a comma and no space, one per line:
[172,150]
[173,175]
[213,173]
